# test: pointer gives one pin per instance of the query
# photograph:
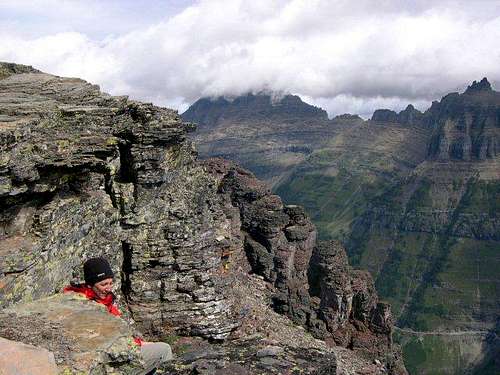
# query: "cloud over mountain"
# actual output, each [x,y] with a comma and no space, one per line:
[344,56]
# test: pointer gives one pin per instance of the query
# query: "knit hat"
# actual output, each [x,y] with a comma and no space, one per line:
[95,270]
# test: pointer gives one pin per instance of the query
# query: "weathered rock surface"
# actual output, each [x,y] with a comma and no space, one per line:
[314,284]
[83,173]
[266,342]
[251,356]
[21,359]
[80,334]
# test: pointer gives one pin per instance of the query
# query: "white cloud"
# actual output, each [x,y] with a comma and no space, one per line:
[348,56]
[364,106]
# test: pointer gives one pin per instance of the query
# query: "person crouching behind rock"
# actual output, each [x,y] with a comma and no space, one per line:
[98,287]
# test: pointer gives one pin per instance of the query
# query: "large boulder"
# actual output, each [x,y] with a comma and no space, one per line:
[81,334]
[17,358]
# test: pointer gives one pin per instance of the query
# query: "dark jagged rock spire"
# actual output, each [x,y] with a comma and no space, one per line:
[483,85]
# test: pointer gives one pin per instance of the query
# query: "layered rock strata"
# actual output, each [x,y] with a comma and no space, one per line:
[85,174]
[267,134]
[314,283]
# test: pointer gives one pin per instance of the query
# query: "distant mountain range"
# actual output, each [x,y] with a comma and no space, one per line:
[414,196]
[267,136]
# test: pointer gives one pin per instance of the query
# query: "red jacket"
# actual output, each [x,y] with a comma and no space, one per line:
[108,301]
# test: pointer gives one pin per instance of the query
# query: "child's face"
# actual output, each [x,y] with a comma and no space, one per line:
[103,288]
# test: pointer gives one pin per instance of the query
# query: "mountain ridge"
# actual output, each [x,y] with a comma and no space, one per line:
[281,100]
[415,198]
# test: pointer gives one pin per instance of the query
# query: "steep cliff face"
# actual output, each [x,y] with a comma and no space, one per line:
[437,230]
[85,174]
[314,283]
[414,197]
[466,125]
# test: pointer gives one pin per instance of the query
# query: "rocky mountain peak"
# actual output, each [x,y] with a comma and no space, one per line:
[385,115]
[483,85]
[466,124]
[260,106]
[408,116]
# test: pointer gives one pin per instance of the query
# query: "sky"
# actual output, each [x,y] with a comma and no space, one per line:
[342,55]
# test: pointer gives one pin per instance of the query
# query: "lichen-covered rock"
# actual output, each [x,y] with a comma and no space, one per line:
[81,334]
[86,174]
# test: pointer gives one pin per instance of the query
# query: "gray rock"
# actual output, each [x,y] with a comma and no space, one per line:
[270,351]
[80,333]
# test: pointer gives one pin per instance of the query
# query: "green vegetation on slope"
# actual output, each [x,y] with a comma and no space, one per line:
[333,200]
[482,197]
[408,202]
[437,355]
[434,280]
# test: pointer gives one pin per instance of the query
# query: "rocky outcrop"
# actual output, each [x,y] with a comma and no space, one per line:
[483,85]
[278,239]
[314,284]
[8,69]
[349,305]
[85,174]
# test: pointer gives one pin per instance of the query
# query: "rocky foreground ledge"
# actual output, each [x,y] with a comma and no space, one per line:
[206,257]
